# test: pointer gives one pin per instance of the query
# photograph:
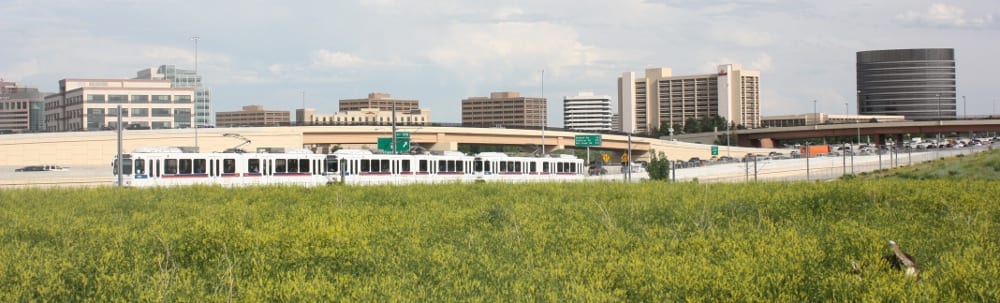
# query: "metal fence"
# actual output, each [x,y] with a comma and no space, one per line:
[817,168]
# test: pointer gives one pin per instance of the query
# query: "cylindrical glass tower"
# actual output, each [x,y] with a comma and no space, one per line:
[916,83]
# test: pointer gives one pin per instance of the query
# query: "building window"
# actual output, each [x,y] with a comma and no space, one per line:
[117,98]
[95,98]
[161,112]
[161,99]
[140,98]
[140,112]
[182,99]
[114,112]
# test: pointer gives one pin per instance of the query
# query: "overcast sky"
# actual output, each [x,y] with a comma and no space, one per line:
[439,52]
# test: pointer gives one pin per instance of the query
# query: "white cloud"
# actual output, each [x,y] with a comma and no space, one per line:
[941,14]
[512,45]
[741,37]
[761,63]
[507,13]
[327,58]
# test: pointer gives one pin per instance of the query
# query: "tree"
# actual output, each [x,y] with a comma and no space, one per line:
[659,167]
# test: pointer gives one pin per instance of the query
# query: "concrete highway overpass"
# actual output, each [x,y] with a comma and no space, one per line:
[99,147]
[770,137]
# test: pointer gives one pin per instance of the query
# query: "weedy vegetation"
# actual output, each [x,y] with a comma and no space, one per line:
[648,242]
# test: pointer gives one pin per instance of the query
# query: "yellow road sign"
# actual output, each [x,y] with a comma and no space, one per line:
[606,158]
[624,157]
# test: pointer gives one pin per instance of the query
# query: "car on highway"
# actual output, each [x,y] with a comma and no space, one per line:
[32,168]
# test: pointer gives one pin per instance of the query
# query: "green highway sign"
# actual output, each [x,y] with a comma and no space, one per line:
[715,150]
[588,140]
[402,135]
[402,144]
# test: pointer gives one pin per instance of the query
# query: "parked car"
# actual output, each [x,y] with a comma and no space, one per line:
[597,171]
[41,168]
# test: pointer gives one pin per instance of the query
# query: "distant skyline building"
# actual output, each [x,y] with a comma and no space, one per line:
[916,83]
[22,109]
[587,112]
[504,109]
[92,104]
[659,99]
[365,116]
[381,101]
[184,78]
[252,115]
[822,118]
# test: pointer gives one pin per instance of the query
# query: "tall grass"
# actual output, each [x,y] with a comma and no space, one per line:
[654,242]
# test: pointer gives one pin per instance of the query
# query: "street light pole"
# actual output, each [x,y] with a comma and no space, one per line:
[194,109]
[965,109]
[815,115]
[545,113]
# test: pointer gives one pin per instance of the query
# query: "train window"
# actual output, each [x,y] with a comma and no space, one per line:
[487,167]
[517,167]
[293,165]
[503,166]
[366,165]
[533,167]
[140,166]
[331,165]
[545,167]
[228,166]
[478,166]
[253,165]
[384,166]
[170,167]
[126,166]
[423,166]
[279,165]
[405,166]
[304,166]
[459,167]
[184,167]
[199,166]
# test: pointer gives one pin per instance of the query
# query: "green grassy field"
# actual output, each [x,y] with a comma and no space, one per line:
[981,166]
[649,242]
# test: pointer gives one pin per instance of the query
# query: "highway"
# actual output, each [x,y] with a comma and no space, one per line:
[820,168]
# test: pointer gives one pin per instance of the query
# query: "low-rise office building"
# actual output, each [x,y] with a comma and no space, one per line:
[22,109]
[252,115]
[821,118]
[365,116]
[587,112]
[92,104]
[504,109]
[380,101]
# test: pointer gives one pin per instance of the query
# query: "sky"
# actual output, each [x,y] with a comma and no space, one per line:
[283,54]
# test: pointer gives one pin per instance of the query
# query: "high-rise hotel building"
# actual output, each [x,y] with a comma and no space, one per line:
[587,112]
[660,99]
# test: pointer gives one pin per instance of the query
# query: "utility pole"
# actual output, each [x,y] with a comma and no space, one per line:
[545,113]
[194,109]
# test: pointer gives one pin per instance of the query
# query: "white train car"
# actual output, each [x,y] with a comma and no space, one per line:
[174,167]
[364,167]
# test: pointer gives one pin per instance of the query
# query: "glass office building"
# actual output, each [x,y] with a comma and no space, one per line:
[916,83]
[182,78]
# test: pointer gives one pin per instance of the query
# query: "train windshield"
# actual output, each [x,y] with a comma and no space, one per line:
[126,167]
[331,164]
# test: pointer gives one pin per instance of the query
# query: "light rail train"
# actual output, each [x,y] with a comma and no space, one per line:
[174,166]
